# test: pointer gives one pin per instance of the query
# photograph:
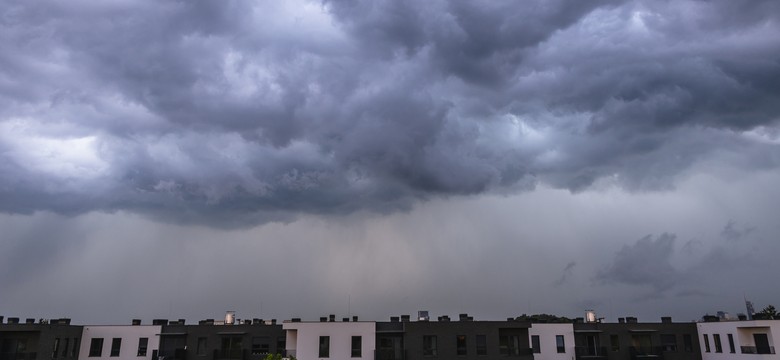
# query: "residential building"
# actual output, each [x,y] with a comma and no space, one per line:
[221,340]
[120,342]
[38,340]
[331,339]
[748,339]
[552,341]
[630,339]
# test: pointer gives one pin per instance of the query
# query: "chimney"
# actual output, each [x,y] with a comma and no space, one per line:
[273,321]
[405,318]
[332,318]
[631,320]
[1,319]
[666,319]
[621,320]
[182,321]
[257,321]
[346,319]
[30,321]
[295,320]
[13,320]
[394,319]
[324,319]
[202,322]
[209,321]
[444,318]
[247,322]
[136,322]
[354,318]
[160,322]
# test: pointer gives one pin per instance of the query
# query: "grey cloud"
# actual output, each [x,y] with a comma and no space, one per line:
[234,114]
[731,233]
[568,271]
[645,263]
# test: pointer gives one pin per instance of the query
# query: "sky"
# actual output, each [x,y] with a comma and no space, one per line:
[178,159]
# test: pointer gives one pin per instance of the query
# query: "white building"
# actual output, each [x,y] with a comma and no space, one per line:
[552,341]
[118,342]
[753,339]
[330,340]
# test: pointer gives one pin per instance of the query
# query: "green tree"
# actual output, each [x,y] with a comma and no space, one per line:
[768,312]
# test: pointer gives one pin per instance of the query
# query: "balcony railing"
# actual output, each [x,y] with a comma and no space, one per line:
[642,352]
[590,352]
[757,350]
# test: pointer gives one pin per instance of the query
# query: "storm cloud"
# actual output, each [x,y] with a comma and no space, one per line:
[238,113]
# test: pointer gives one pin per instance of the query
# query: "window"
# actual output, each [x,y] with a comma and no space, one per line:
[75,347]
[509,345]
[232,347]
[706,343]
[460,345]
[96,347]
[281,344]
[429,345]
[200,350]
[560,344]
[143,343]
[481,345]
[614,342]
[669,342]
[116,345]
[56,350]
[731,344]
[718,347]
[537,348]
[261,345]
[324,346]
[688,343]
[357,346]
[65,347]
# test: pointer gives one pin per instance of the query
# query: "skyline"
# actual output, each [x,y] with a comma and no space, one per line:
[174,158]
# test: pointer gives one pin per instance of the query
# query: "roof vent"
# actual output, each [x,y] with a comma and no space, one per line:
[136,322]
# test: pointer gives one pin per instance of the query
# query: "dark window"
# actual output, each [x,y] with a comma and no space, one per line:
[96,347]
[232,347]
[509,345]
[688,343]
[481,345]
[537,348]
[324,346]
[731,344]
[669,342]
[281,344]
[706,343]
[718,347]
[460,345]
[143,343]
[357,346]
[201,349]
[116,345]
[560,345]
[261,345]
[614,342]
[56,350]
[65,347]
[75,347]
[429,345]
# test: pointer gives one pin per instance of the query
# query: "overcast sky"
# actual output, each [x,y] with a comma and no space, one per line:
[176,159]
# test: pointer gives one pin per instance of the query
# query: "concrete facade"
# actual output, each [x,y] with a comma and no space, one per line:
[331,339]
[548,336]
[129,346]
[752,339]
[37,340]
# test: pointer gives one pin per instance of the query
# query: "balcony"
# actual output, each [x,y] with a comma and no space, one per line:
[757,350]
[589,352]
[646,352]
[19,356]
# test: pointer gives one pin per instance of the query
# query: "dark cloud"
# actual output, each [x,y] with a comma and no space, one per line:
[568,271]
[645,263]
[235,113]
[731,232]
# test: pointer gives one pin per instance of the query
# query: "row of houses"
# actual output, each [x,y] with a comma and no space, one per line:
[401,338]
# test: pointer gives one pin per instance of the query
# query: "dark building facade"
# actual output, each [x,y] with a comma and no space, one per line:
[629,339]
[39,340]
[401,339]
[250,340]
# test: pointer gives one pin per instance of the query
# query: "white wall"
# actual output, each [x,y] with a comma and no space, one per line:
[742,331]
[130,335]
[547,333]
[304,339]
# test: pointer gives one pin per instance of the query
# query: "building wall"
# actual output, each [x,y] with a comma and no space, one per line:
[446,333]
[130,335]
[40,340]
[547,340]
[303,339]
[625,333]
[205,342]
[742,333]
